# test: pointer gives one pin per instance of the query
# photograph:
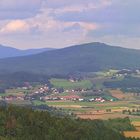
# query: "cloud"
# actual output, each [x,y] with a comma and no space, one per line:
[58,4]
[63,7]
[68,22]
[19,9]
[15,26]
[114,17]
[109,11]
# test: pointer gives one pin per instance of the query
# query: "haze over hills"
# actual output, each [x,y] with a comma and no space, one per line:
[6,51]
[89,57]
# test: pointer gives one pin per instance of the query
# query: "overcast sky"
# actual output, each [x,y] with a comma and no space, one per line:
[61,23]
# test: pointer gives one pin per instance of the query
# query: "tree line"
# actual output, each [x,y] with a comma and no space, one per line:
[20,123]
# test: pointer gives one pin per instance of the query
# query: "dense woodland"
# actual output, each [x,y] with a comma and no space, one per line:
[20,79]
[18,123]
[127,82]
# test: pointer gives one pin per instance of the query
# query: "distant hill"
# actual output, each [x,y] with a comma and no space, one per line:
[6,51]
[89,57]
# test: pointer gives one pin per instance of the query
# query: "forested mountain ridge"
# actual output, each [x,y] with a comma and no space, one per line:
[89,57]
[6,51]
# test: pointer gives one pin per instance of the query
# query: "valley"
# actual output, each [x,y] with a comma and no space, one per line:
[87,96]
[76,90]
[69,70]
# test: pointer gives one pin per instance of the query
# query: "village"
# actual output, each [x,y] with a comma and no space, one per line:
[46,93]
[63,90]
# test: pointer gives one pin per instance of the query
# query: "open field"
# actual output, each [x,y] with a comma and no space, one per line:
[137,124]
[101,106]
[15,92]
[138,128]
[12,92]
[95,110]
[19,102]
[135,119]
[106,73]
[62,83]
[136,133]
[104,116]
[120,95]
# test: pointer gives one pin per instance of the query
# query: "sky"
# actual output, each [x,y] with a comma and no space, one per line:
[28,24]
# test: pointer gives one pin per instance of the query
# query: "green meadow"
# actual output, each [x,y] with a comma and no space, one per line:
[63,83]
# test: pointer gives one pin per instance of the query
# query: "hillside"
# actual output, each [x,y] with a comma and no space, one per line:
[27,124]
[81,58]
[13,52]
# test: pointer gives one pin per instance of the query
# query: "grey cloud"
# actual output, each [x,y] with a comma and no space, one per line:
[120,12]
[119,18]
[65,3]
[19,9]
[115,13]
[74,27]
[114,17]
[116,30]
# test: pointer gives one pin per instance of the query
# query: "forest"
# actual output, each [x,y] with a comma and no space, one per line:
[20,79]
[127,82]
[20,123]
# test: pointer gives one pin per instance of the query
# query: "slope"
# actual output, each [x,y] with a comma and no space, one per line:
[81,58]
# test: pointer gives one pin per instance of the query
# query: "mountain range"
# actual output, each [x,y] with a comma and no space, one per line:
[6,51]
[90,57]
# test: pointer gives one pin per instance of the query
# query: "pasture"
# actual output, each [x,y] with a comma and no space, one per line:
[66,84]
[133,134]
[117,93]
[96,110]
[136,133]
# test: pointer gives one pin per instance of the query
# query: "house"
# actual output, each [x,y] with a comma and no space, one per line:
[71,97]
[81,100]
[102,101]
[9,98]
[91,100]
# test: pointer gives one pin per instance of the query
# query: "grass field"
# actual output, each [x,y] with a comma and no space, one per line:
[63,83]
[17,91]
[19,102]
[135,119]
[136,123]
[102,115]
[117,106]
[13,92]
[64,94]
[136,133]
[3,94]
[106,73]
[120,95]
[94,110]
